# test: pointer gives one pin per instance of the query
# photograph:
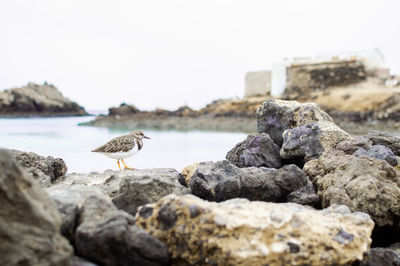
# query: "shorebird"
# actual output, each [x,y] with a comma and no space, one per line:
[123,147]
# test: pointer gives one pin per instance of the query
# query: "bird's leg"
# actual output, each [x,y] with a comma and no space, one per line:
[126,167]
[119,165]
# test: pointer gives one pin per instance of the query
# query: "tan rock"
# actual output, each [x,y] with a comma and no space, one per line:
[241,232]
[188,172]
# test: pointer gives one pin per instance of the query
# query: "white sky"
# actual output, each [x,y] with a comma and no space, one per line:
[167,53]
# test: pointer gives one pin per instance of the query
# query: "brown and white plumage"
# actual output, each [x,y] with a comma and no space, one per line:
[123,146]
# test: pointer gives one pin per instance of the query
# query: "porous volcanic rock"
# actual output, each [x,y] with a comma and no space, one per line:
[362,183]
[130,189]
[45,170]
[305,196]
[311,140]
[37,100]
[219,181]
[256,150]
[29,220]
[379,152]
[241,232]
[381,257]
[275,116]
[351,145]
[109,236]
[387,139]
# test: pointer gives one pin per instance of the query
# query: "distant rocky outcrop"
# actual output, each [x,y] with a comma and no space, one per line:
[37,100]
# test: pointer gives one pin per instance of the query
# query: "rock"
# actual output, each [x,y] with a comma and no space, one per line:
[305,196]
[45,170]
[381,257]
[69,200]
[353,144]
[275,116]
[37,100]
[219,181]
[131,189]
[29,220]
[123,110]
[386,139]
[187,173]
[379,152]
[362,183]
[241,232]
[108,236]
[257,150]
[78,261]
[310,140]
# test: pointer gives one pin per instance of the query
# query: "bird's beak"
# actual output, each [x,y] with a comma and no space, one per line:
[146,137]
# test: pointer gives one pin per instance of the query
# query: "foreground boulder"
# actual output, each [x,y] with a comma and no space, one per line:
[45,170]
[109,236]
[37,100]
[381,257]
[362,183]
[275,116]
[240,232]
[257,150]
[29,220]
[311,140]
[219,181]
[131,189]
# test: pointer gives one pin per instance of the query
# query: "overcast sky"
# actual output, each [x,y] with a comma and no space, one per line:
[170,52]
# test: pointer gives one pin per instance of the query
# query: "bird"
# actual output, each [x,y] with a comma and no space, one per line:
[123,147]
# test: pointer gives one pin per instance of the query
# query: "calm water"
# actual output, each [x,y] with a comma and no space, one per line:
[61,137]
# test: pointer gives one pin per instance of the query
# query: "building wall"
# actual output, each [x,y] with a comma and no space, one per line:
[258,83]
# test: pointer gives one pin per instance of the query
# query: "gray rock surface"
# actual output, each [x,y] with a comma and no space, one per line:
[130,189]
[69,200]
[311,140]
[29,220]
[389,140]
[45,170]
[379,152]
[108,236]
[362,183]
[243,232]
[381,257]
[305,195]
[219,181]
[256,150]
[275,116]
[37,100]
[353,144]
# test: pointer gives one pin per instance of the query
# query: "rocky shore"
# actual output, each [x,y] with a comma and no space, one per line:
[299,191]
[37,100]
[357,109]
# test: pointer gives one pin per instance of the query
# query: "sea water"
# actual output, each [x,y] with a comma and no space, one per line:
[63,138]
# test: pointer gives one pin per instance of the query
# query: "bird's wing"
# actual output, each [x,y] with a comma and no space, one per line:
[119,144]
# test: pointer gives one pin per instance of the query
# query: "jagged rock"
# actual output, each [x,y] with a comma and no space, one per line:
[219,181]
[353,144]
[29,220]
[241,232]
[381,257]
[257,150]
[78,261]
[37,100]
[379,152]
[123,110]
[187,173]
[362,183]
[275,116]
[131,189]
[45,170]
[69,200]
[310,140]
[305,195]
[109,236]
[386,139]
